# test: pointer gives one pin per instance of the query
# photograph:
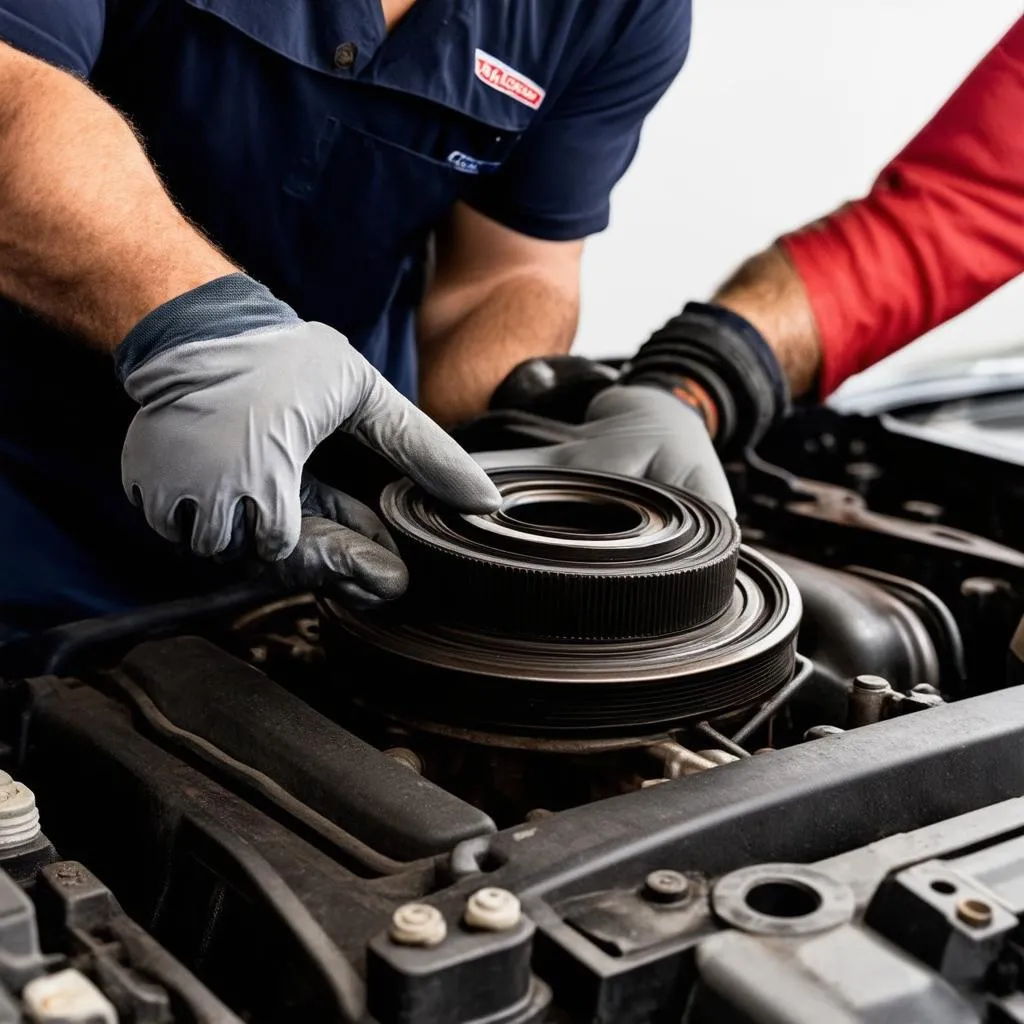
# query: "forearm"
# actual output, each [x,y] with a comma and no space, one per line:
[88,237]
[768,292]
[467,350]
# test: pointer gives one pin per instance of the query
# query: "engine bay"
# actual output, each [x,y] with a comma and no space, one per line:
[612,759]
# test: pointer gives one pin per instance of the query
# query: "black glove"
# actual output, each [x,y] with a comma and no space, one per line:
[731,365]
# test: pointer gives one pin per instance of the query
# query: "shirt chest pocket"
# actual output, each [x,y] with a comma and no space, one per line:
[410,137]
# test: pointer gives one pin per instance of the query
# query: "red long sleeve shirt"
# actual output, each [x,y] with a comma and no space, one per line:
[942,227]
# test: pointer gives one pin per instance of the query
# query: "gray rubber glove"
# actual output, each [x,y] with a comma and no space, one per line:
[236,392]
[638,431]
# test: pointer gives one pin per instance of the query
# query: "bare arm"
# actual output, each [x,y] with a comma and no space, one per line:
[497,299]
[768,291]
[89,239]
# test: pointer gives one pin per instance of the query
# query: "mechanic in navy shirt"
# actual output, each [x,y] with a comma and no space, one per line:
[316,147]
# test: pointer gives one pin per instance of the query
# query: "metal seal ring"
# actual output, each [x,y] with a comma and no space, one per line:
[570,554]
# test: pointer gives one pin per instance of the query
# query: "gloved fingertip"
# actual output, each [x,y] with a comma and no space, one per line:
[471,490]
[354,596]
[277,536]
[390,577]
[479,502]
[714,487]
[339,556]
[275,545]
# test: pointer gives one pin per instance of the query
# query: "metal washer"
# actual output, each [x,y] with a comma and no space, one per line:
[730,895]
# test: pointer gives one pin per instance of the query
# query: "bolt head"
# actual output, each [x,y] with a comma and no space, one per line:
[493,909]
[418,924]
[974,912]
[666,886]
[872,684]
[818,732]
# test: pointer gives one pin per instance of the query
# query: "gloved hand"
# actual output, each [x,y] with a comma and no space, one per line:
[714,353]
[638,431]
[707,382]
[344,551]
[236,392]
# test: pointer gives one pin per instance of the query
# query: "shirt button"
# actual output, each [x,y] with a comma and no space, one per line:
[345,56]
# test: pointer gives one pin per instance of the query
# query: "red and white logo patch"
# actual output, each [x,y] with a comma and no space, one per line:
[498,75]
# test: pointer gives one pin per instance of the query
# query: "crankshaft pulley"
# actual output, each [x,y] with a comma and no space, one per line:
[589,606]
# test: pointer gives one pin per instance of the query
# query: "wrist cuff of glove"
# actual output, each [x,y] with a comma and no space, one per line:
[223,308]
[690,392]
[727,356]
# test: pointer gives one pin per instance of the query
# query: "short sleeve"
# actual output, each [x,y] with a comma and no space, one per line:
[557,183]
[65,33]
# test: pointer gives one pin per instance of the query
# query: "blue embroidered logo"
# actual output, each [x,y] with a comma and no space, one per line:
[470,165]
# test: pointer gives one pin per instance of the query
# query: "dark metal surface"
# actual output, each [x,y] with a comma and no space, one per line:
[800,804]
[213,696]
[237,897]
[89,641]
[79,916]
[193,795]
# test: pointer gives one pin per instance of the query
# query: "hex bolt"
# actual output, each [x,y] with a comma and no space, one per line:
[666,886]
[819,732]
[974,913]
[868,698]
[19,818]
[418,924]
[493,910]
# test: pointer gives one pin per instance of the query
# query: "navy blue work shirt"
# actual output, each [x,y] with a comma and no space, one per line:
[320,152]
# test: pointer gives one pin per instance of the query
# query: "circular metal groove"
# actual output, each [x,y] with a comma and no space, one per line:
[569,554]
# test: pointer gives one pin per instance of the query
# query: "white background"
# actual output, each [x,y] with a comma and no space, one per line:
[785,109]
